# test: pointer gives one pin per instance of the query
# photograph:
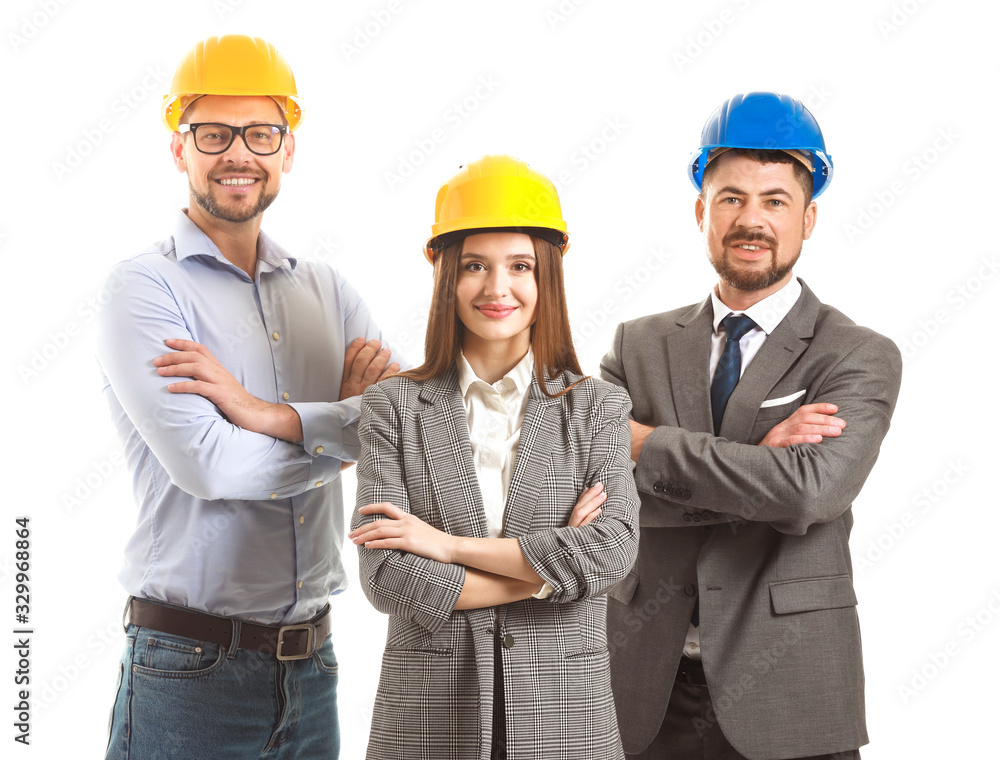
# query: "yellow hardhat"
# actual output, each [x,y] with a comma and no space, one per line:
[233,64]
[497,192]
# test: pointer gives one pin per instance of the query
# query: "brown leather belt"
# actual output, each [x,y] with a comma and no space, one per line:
[691,672]
[287,642]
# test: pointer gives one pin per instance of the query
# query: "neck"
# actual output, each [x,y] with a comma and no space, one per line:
[741,300]
[237,241]
[492,359]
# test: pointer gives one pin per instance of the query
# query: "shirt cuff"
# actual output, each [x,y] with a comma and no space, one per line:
[545,591]
[330,429]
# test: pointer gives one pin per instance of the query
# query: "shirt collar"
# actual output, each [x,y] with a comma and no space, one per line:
[190,240]
[767,313]
[520,373]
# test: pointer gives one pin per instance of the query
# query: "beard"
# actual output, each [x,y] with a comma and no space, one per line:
[209,203]
[749,280]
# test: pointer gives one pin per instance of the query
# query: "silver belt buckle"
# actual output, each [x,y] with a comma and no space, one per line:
[309,627]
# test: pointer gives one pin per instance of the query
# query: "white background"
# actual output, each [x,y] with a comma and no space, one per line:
[609,98]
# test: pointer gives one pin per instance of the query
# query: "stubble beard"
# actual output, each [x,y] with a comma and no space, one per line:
[750,280]
[210,204]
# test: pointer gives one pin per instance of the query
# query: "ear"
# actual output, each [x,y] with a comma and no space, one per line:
[288,152]
[177,151]
[699,213]
[809,220]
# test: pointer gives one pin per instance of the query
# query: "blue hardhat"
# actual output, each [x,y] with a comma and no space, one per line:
[764,121]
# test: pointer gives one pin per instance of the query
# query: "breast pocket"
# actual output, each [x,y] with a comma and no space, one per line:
[780,407]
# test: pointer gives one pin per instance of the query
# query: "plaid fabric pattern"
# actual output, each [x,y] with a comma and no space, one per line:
[434,699]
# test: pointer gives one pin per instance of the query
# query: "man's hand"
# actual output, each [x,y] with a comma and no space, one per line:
[402,530]
[213,381]
[364,364]
[588,506]
[807,424]
[639,435]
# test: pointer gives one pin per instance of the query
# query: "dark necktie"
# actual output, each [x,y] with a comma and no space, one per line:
[727,371]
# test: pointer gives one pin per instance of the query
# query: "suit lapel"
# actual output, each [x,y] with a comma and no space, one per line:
[687,352]
[779,352]
[444,432]
[541,428]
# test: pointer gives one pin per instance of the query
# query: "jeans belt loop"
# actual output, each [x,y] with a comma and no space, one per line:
[234,645]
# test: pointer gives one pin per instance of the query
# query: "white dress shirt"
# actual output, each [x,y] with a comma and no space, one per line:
[495,413]
[767,314]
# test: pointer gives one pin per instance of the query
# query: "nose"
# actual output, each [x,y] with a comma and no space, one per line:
[238,152]
[750,216]
[497,282]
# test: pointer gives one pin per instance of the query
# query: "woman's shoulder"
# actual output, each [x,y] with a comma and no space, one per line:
[588,391]
[400,390]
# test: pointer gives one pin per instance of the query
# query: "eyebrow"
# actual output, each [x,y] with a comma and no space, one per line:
[729,189]
[510,256]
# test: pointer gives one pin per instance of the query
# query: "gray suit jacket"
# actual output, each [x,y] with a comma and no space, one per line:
[759,534]
[435,695]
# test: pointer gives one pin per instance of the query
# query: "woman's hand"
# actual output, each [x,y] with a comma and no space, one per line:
[402,531]
[588,506]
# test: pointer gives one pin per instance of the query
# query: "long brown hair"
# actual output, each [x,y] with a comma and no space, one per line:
[551,339]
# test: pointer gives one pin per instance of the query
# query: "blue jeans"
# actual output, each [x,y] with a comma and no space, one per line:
[189,700]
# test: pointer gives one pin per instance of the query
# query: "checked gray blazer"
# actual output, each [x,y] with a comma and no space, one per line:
[435,694]
[758,534]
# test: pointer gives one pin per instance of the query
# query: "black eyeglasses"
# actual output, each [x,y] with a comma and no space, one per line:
[261,139]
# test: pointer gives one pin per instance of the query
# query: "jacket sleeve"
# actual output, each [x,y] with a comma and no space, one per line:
[794,487]
[587,561]
[204,454]
[421,590]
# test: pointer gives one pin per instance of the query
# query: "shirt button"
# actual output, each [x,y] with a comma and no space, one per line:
[285,395]
[274,335]
[319,449]
[319,483]
[274,496]
[302,519]
[300,584]
[508,641]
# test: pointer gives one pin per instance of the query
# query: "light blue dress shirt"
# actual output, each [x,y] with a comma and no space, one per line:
[233,522]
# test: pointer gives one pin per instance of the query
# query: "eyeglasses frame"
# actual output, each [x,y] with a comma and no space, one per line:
[241,131]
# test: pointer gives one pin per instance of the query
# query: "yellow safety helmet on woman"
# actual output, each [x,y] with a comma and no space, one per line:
[233,64]
[496,193]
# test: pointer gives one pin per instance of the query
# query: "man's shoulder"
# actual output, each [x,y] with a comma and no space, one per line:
[664,321]
[833,326]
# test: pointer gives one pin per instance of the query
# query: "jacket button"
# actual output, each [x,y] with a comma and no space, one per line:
[686,494]
[658,486]
[508,641]
[696,518]
[687,517]
[689,589]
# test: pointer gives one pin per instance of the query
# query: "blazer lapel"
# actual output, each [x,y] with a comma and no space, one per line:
[444,432]
[781,349]
[540,430]
[687,351]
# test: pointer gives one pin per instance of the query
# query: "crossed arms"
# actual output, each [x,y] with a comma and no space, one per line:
[807,469]
[414,570]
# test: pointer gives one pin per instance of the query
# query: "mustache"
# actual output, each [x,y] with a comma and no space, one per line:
[749,236]
[243,173]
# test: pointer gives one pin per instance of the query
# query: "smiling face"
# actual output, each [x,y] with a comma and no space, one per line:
[754,217]
[236,186]
[496,293]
